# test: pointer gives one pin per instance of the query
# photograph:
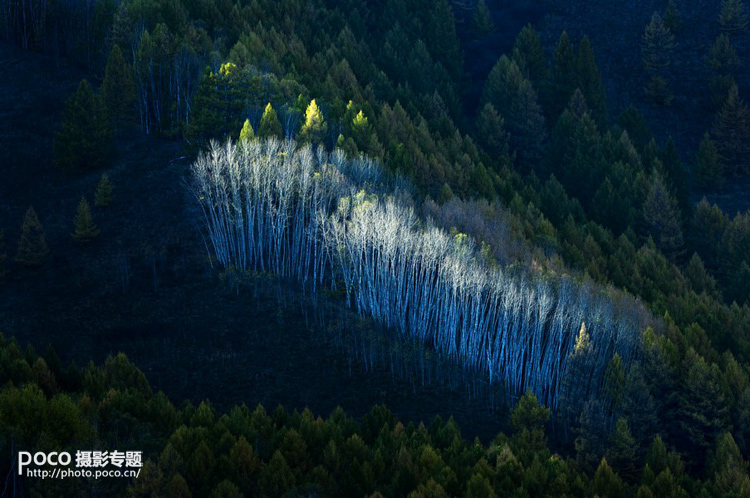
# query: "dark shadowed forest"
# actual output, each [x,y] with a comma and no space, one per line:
[400,248]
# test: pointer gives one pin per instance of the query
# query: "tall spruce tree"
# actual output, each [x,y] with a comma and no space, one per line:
[85,229]
[732,17]
[709,172]
[85,139]
[118,90]
[32,247]
[483,23]
[270,126]
[657,45]
[732,133]
[662,217]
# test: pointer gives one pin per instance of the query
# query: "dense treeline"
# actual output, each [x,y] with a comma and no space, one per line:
[194,451]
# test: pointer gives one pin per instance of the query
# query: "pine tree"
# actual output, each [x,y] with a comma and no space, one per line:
[621,453]
[656,51]
[722,57]
[672,17]
[246,133]
[728,466]
[103,193]
[483,22]
[607,482]
[732,133]
[315,127]
[732,17]
[491,133]
[270,126]
[709,172]
[118,90]
[590,83]
[85,140]
[514,98]
[85,228]
[32,247]
[563,79]
[529,55]
[662,217]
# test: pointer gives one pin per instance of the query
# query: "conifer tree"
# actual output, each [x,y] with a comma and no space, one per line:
[662,217]
[722,57]
[85,228]
[118,90]
[246,133]
[607,482]
[315,127]
[732,17]
[529,55]
[515,100]
[709,172]
[563,79]
[491,133]
[672,17]
[103,193]
[621,453]
[590,83]
[732,133]
[85,139]
[729,468]
[483,22]
[657,45]
[270,126]
[32,247]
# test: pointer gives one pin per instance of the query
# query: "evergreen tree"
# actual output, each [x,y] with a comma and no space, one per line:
[607,482]
[590,83]
[709,172]
[728,467]
[85,140]
[676,175]
[563,79]
[656,50]
[85,228]
[315,127]
[722,57]
[732,134]
[103,193]
[514,98]
[483,22]
[528,418]
[491,133]
[529,55]
[672,17]
[32,247]
[270,126]
[246,133]
[118,90]
[732,17]
[662,217]
[622,450]
[632,121]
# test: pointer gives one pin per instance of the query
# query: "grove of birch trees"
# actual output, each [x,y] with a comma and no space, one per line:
[277,207]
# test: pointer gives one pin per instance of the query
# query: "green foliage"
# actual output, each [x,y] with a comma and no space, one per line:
[529,55]
[662,218]
[314,128]
[732,17]
[483,22]
[722,56]
[731,133]
[656,45]
[246,133]
[103,193]
[118,90]
[709,172]
[85,228]
[32,247]
[270,126]
[84,140]
[514,98]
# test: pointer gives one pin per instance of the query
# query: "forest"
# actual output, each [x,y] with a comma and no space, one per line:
[552,197]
